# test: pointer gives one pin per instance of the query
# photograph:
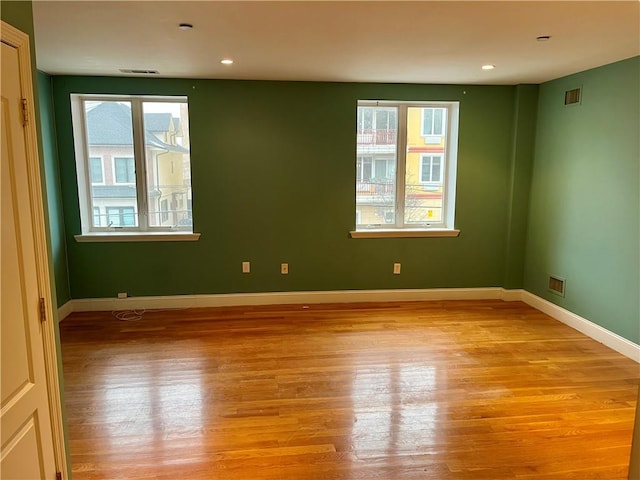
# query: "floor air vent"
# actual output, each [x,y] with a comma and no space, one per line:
[572,97]
[556,285]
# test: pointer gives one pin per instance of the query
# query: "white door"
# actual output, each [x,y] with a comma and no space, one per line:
[27,450]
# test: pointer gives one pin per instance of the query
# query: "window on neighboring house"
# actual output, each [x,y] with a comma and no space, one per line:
[142,142]
[95,169]
[431,169]
[121,216]
[164,210]
[433,121]
[125,169]
[96,216]
[409,180]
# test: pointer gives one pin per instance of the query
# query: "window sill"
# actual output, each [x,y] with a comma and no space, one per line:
[137,237]
[404,233]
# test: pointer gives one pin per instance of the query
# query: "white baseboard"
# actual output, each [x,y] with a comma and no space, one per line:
[285,298]
[590,329]
[65,310]
[598,333]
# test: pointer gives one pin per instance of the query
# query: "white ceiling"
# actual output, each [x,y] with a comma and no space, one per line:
[365,41]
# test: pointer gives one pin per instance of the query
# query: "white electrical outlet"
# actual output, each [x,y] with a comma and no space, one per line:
[122,295]
[284,268]
[246,267]
[396,269]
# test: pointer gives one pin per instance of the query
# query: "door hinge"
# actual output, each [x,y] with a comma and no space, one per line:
[25,112]
[43,311]
[58,475]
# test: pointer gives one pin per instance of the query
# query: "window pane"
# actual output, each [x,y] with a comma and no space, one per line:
[426,169]
[125,170]
[437,121]
[376,165]
[168,164]
[96,216]
[423,175]
[95,170]
[366,169]
[435,169]
[110,137]
[428,121]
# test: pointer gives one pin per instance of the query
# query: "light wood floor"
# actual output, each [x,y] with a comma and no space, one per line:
[436,390]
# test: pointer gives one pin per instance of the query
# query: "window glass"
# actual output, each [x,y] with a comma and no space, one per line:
[406,182]
[95,169]
[134,168]
[376,164]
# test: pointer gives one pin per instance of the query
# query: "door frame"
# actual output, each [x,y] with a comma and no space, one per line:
[20,40]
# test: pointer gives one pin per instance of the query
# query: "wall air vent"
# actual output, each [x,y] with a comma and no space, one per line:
[140,72]
[556,285]
[573,97]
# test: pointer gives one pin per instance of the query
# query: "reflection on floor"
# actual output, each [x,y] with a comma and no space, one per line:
[434,390]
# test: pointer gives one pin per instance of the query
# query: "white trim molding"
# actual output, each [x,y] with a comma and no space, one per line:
[590,329]
[284,298]
[65,310]
[404,233]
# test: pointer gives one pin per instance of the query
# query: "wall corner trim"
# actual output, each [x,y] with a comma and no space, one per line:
[590,329]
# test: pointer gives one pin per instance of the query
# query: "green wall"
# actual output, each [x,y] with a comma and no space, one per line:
[52,182]
[525,109]
[585,200]
[273,167]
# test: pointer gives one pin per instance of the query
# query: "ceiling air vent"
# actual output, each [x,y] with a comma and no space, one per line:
[556,285]
[573,97]
[140,72]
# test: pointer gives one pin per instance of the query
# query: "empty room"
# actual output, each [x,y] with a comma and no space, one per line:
[320,240]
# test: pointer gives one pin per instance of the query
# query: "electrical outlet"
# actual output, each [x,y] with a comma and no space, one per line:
[396,269]
[122,295]
[284,268]
[246,267]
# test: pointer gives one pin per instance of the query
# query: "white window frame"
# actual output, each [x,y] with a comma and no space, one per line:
[448,175]
[442,167]
[101,158]
[113,168]
[143,231]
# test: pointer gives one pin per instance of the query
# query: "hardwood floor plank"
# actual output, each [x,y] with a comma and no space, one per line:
[439,390]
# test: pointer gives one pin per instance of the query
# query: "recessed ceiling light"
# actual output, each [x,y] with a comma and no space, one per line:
[543,38]
[226,61]
[185,26]
[488,67]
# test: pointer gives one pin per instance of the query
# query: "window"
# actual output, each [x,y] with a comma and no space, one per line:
[96,216]
[133,164]
[433,121]
[406,177]
[164,211]
[431,169]
[121,216]
[125,170]
[95,170]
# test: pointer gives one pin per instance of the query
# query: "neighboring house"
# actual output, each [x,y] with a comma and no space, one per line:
[113,169]
[377,139]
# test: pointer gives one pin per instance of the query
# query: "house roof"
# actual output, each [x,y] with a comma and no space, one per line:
[109,123]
